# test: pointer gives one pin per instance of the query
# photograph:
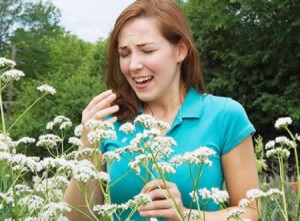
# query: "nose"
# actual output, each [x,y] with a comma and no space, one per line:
[135,63]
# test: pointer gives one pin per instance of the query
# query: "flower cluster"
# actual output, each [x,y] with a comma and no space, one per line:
[47,89]
[12,75]
[7,63]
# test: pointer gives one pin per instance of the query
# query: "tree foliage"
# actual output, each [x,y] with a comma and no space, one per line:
[250,51]
[9,13]
[74,80]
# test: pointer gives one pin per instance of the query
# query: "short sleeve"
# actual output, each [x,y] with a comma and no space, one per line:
[235,124]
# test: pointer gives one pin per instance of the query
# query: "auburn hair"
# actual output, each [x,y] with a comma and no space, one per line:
[173,25]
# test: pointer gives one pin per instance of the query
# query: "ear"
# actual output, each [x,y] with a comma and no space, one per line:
[182,51]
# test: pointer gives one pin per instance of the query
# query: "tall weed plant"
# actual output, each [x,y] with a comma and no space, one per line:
[32,188]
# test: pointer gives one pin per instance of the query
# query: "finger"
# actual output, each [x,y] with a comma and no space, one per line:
[154,184]
[101,104]
[157,194]
[98,98]
[102,107]
[112,119]
[101,114]
[166,213]
[156,205]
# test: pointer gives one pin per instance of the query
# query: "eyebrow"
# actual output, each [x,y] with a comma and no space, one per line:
[139,45]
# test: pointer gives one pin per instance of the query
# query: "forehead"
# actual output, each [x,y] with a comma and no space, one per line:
[139,31]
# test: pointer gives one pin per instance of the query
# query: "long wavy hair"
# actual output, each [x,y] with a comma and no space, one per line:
[173,25]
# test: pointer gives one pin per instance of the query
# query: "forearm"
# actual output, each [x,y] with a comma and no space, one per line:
[221,215]
[82,196]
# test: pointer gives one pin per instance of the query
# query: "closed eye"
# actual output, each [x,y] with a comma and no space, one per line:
[123,55]
[148,51]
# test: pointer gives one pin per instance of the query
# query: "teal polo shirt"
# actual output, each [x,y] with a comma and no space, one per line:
[218,123]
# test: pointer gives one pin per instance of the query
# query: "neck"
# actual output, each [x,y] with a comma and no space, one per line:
[167,109]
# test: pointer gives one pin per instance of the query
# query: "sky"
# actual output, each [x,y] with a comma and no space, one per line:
[90,19]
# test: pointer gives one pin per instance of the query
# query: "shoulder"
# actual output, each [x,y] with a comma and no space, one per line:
[225,105]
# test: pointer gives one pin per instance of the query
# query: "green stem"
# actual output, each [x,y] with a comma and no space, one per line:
[281,167]
[2,112]
[20,116]
[195,184]
[297,169]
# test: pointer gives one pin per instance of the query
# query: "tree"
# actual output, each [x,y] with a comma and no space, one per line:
[9,14]
[40,24]
[250,51]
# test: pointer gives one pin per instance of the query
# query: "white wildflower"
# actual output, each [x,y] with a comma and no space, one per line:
[86,152]
[235,213]
[53,210]
[7,63]
[33,202]
[127,128]
[192,215]
[105,209]
[161,125]
[103,176]
[254,194]
[24,163]
[60,120]
[110,156]
[12,75]
[153,132]
[270,144]
[273,193]
[142,199]
[5,157]
[47,89]
[98,124]
[49,141]
[25,140]
[284,141]
[219,196]
[278,152]
[85,170]
[298,137]
[283,122]
[3,147]
[163,145]
[75,141]
[78,130]
[164,167]
[244,203]
[194,196]
[204,193]
[146,120]
[135,164]
[198,156]
[6,143]
[96,135]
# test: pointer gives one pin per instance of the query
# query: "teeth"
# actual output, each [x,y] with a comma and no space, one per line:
[139,80]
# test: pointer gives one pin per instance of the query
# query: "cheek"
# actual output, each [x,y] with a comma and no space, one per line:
[124,67]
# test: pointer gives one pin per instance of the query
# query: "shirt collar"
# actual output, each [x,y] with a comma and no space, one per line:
[192,106]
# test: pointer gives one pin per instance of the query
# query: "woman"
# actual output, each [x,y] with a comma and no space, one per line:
[154,68]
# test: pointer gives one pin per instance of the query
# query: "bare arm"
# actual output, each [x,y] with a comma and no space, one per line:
[240,176]
[97,109]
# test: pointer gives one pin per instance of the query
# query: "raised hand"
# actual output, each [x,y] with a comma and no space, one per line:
[98,109]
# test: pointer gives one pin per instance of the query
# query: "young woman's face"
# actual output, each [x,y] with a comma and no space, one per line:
[149,62]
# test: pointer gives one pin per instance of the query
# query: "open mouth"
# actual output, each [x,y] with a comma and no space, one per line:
[143,80]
